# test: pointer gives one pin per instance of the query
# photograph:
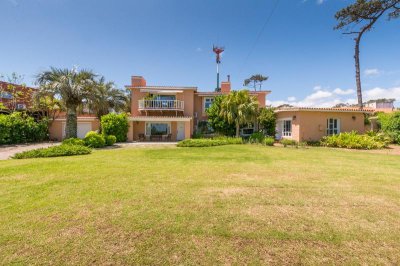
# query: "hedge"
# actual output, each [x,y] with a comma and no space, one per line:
[18,128]
[54,151]
[116,125]
[209,142]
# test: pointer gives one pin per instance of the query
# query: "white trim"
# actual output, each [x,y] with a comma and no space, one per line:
[161,91]
[337,126]
[157,122]
[322,110]
[280,127]
[160,118]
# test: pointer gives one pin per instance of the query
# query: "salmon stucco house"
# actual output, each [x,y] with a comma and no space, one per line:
[311,124]
[171,112]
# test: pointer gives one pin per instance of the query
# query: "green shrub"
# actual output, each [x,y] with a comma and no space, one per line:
[197,135]
[390,124]
[73,141]
[352,140]
[257,137]
[20,128]
[110,140]
[116,125]
[269,141]
[267,120]
[313,143]
[94,140]
[54,151]
[218,141]
[288,142]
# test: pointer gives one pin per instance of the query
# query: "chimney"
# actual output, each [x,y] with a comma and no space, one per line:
[138,81]
[226,85]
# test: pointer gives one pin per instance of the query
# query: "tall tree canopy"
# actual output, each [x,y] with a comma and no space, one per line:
[359,18]
[239,108]
[218,122]
[255,80]
[71,86]
[106,97]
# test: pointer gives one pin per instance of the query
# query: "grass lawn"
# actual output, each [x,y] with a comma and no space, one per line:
[219,205]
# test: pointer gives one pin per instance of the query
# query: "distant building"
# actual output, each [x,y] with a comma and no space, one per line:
[381,105]
[15,97]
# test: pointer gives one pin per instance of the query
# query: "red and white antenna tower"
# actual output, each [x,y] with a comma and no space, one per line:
[218,51]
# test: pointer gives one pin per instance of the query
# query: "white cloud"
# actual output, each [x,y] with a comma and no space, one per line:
[198,49]
[327,98]
[339,91]
[317,88]
[371,72]
[320,2]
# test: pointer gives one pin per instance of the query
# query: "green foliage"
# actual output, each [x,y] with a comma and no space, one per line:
[72,87]
[352,140]
[218,122]
[255,79]
[269,141]
[218,141]
[267,121]
[390,124]
[73,141]
[110,140]
[257,137]
[288,142]
[313,143]
[94,140]
[116,125]
[21,128]
[240,108]
[54,151]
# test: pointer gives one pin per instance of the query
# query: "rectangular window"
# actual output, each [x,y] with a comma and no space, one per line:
[287,128]
[207,103]
[165,97]
[332,126]
[157,129]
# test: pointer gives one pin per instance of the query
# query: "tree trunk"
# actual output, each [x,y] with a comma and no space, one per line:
[237,130]
[357,65]
[71,127]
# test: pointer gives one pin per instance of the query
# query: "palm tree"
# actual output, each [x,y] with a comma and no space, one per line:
[71,87]
[106,97]
[239,108]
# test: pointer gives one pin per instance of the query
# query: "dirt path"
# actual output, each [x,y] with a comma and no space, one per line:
[9,150]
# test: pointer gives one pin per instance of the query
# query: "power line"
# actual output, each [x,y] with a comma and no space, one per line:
[259,35]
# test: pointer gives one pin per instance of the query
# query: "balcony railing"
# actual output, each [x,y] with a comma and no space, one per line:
[161,105]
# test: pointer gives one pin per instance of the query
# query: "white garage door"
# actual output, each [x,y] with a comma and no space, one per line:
[83,128]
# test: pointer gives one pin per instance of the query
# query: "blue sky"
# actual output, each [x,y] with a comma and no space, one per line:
[169,42]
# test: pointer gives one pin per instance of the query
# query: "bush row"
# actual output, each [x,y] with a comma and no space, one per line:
[54,151]
[352,140]
[92,140]
[390,125]
[218,141]
[260,138]
[20,128]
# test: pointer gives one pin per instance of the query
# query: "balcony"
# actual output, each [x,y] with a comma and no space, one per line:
[173,105]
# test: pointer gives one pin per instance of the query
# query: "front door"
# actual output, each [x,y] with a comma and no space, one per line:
[181,131]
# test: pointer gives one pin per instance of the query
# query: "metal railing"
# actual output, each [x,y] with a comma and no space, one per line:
[161,105]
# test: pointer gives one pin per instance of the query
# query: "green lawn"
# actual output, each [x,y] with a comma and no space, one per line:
[219,205]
